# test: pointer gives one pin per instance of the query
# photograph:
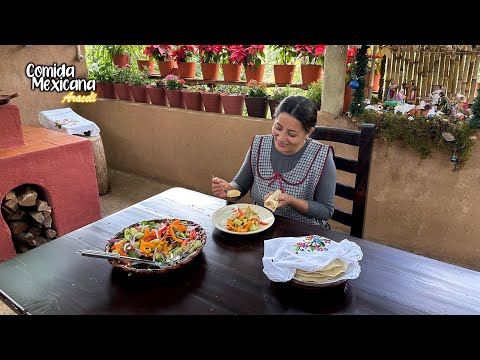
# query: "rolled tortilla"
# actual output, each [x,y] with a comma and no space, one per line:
[271,203]
[233,193]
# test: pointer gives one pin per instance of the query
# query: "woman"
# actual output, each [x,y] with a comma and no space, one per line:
[303,169]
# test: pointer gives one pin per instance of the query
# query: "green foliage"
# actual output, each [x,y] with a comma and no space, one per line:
[139,78]
[475,121]
[281,92]
[360,69]
[232,89]
[284,54]
[256,89]
[422,134]
[122,75]
[102,72]
[314,92]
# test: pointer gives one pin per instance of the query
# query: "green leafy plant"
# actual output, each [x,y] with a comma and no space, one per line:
[122,75]
[475,120]
[422,134]
[139,78]
[232,89]
[255,56]
[256,89]
[185,53]
[281,92]
[103,72]
[284,54]
[314,92]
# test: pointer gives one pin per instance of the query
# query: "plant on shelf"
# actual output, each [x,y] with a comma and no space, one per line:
[284,54]
[256,89]
[210,53]
[234,54]
[139,78]
[158,52]
[231,90]
[102,72]
[185,53]
[173,82]
[122,75]
[255,56]
[314,93]
[281,92]
[311,54]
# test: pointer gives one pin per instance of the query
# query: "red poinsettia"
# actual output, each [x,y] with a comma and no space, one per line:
[210,53]
[185,53]
[158,52]
[236,54]
[311,54]
[255,55]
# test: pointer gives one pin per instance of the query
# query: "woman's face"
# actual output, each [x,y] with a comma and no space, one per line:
[289,134]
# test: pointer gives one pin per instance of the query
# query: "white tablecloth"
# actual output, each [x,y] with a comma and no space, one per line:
[67,121]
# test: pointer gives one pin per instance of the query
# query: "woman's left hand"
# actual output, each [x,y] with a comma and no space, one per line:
[283,199]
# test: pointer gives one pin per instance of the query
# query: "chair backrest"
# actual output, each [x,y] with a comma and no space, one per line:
[360,166]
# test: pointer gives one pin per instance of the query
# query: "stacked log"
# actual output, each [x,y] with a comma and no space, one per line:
[28,217]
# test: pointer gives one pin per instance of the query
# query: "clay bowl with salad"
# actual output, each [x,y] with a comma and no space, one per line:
[168,243]
[243,219]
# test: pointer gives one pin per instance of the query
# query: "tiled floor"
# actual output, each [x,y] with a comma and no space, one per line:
[125,190]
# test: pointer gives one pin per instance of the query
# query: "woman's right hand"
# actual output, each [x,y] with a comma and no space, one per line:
[217,189]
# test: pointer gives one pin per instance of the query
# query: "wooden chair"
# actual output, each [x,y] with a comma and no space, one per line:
[360,166]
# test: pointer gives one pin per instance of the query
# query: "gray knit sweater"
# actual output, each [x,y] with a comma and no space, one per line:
[322,205]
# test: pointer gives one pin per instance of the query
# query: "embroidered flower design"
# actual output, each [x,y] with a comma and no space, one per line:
[312,243]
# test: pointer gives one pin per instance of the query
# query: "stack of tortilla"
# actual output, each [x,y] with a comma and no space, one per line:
[332,271]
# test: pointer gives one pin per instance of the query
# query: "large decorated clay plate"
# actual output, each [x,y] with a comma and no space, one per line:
[243,219]
[167,243]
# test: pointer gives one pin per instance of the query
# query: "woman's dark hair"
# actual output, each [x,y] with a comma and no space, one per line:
[301,108]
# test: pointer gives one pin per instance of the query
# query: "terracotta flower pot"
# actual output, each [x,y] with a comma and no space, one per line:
[139,94]
[166,67]
[376,82]
[157,95]
[232,103]
[273,105]
[311,73]
[108,90]
[283,74]
[175,98]
[231,72]
[212,102]
[193,100]
[120,60]
[210,71]
[146,64]
[254,73]
[186,69]
[123,92]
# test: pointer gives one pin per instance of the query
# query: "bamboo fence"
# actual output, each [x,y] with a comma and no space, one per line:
[452,67]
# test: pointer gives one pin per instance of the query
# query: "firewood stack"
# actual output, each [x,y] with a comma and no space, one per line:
[28,217]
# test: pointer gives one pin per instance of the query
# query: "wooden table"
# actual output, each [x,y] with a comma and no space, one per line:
[226,277]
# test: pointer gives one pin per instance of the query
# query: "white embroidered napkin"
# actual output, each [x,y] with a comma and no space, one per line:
[68,121]
[283,256]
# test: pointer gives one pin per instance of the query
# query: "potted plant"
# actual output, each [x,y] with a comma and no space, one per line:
[256,99]
[314,93]
[173,89]
[193,98]
[148,63]
[163,55]
[278,93]
[156,93]
[138,86]
[211,99]
[233,98]
[120,54]
[210,57]
[186,57]
[233,57]
[254,62]
[376,75]
[121,80]
[103,74]
[312,60]
[284,67]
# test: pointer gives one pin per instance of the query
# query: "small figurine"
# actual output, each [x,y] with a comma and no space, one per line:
[412,95]
[392,89]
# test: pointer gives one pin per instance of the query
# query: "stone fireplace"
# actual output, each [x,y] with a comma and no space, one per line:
[60,165]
